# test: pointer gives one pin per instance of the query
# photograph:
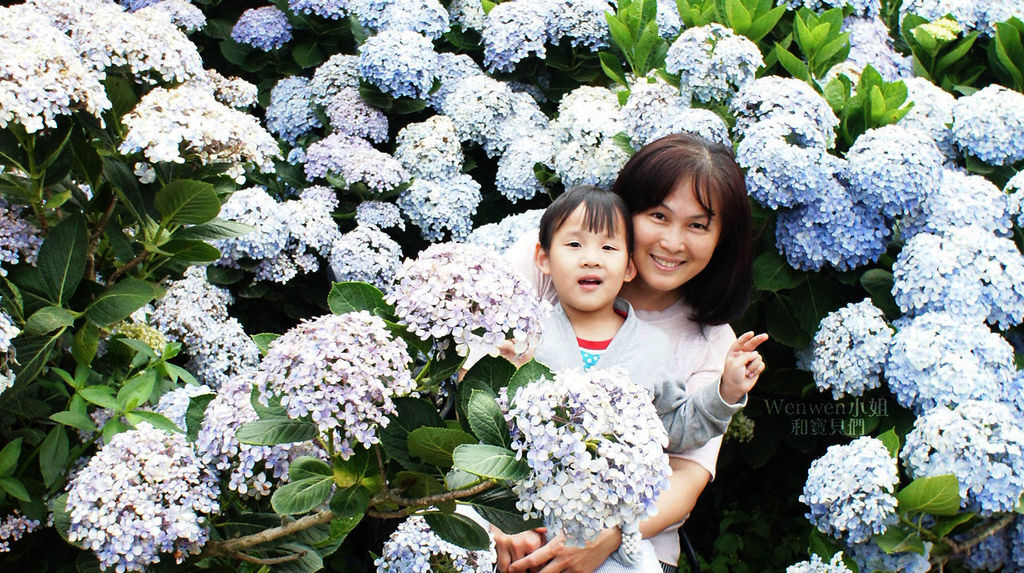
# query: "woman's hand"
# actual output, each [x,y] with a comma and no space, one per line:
[512,548]
[557,557]
[743,366]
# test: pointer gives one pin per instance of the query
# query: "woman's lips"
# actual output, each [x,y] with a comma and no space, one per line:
[667,264]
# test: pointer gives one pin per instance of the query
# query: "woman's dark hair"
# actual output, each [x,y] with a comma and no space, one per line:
[601,212]
[720,293]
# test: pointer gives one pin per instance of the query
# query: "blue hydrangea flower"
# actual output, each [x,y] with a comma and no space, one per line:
[1015,198]
[514,31]
[697,121]
[970,14]
[500,236]
[578,163]
[816,565]
[290,113]
[427,17]
[939,359]
[583,22]
[265,28]
[932,113]
[515,177]
[960,200]
[430,149]
[892,168]
[967,271]
[859,7]
[668,20]
[340,71]
[399,63]
[350,115]
[981,442]
[850,349]
[174,404]
[870,44]
[13,527]
[354,161]
[451,68]
[366,254]
[379,214]
[989,124]
[332,9]
[774,96]
[993,553]
[415,548]
[833,230]
[19,240]
[1017,542]
[467,14]
[651,103]
[712,61]
[479,105]
[849,490]
[781,172]
[869,557]
[437,207]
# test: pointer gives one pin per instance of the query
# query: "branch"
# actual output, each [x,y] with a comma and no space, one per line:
[272,561]
[979,534]
[127,267]
[94,239]
[443,497]
[232,546]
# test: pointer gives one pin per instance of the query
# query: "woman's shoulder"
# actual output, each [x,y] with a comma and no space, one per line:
[676,321]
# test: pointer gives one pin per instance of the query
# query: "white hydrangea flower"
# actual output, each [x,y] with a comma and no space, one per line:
[430,148]
[712,61]
[415,548]
[817,565]
[850,349]
[13,527]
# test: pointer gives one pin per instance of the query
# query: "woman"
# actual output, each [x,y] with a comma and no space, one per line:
[692,251]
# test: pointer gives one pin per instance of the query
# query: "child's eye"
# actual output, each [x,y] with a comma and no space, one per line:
[609,248]
[574,244]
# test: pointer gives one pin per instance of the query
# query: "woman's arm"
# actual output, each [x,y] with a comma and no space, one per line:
[686,483]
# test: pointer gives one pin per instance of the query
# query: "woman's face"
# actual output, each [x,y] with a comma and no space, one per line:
[673,241]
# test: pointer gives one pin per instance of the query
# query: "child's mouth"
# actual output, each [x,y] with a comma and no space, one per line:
[589,282]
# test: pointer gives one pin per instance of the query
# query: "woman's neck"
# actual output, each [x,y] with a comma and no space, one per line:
[643,297]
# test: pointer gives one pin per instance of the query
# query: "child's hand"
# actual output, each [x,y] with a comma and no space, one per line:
[508,351]
[743,366]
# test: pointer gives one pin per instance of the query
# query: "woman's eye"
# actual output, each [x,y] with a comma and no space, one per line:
[658,216]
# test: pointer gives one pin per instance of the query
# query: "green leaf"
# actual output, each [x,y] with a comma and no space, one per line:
[273,431]
[813,300]
[410,414]
[158,421]
[350,502]
[899,540]
[956,54]
[48,319]
[192,251]
[136,391]
[195,414]
[879,283]
[355,296]
[9,457]
[794,65]
[187,201]
[891,441]
[53,455]
[488,461]
[306,467]
[77,420]
[493,372]
[527,373]
[33,353]
[938,495]
[498,507]
[113,427]
[301,496]
[944,527]
[612,68]
[61,259]
[85,344]
[307,54]
[347,473]
[213,230]
[15,488]
[263,341]
[120,300]
[309,559]
[772,272]
[458,529]
[435,445]
[737,16]
[781,326]
[621,35]
[486,419]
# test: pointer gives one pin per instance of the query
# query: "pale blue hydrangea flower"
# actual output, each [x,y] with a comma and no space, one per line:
[697,121]
[859,7]
[290,113]
[589,114]
[816,565]
[515,177]
[332,9]
[415,548]
[427,17]
[959,200]
[399,63]
[181,13]
[500,236]
[350,115]
[1015,198]
[441,206]
[712,61]
[366,254]
[971,14]
[939,359]
[231,91]
[430,149]
[479,105]
[346,386]
[354,160]
[893,168]
[981,442]
[993,553]
[379,214]
[583,22]
[265,28]
[833,230]
[161,506]
[774,96]
[782,171]
[989,124]
[870,44]
[668,20]
[515,30]
[340,71]
[467,14]
[8,332]
[651,104]
[469,293]
[932,113]
[850,349]
[13,527]
[174,404]
[256,208]
[578,163]
[869,557]
[1017,542]
[19,239]
[451,69]
[967,271]
[849,490]
[556,425]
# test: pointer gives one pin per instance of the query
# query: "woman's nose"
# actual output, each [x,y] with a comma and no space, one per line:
[672,239]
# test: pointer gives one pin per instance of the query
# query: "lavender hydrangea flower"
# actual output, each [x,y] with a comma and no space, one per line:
[960,200]
[869,557]
[340,71]
[773,96]
[967,271]
[817,565]
[515,30]
[871,45]
[415,548]
[266,28]
[594,446]
[350,115]
[330,9]
[781,170]
[849,490]
[583,22]
[939,359]
[8,332]
[981,442]
[427,17]
[355,161]
[174,404]
[989,124]
[290,113]
[366,254]
[932,113]
[515,178]
[19,240]
[129,518]
[347,383]
[850,349]
[437,206]
[13,527]
[399,63]
[430,149]
[44,75]
[712,61]
[379,214]
[892,168]
[499,236]
[469,293]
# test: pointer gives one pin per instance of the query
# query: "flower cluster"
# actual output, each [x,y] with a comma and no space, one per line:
[850,349]
[430,149]
[817,565]
[437,206]
[582,22]
[379,214]
[452,69]
[189,115]
[499,236]
[782,170]
[989,124]
[870,45]
[516,178]
[290,113]
[479,106]
[960,200]
[331,9]
[350,115]
[515,30]
[366,254]
[652,103]
[588,119]
[849,490]
[969,14]
[19,240]
[993,553]
[338,72]
[594,446]
[44,76]
[967,271]
[181,12]
[13,527]
[427,17]
[399,63]
[469,293]
[938,358]
[773,96]
[354,160]
[340,370]
[893,168]
[233,91]
[8,332]
[129,517]
[174,404]
[415,548]
[265,28]
[981,442]
[931,113]
[859,7]
[869,557]
[712,61]
[468,14]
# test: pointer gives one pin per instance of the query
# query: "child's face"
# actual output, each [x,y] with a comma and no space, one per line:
[586,267]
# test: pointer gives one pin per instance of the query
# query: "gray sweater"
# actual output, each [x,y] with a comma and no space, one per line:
[645,353]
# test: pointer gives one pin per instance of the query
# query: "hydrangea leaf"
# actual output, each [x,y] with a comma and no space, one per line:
[186,201]
[308,560]
[498,507]
[529,372]
[48,319]
[944,527]
[898,540]
[411,413]
[436,445]
[273,431]
[773,273]
[120,300]
[489,461]
[308,467]
[486,419]
[493,371]
[937,495]
[9,457]
[301,496]
[62,258]
[263,340]
[15,488]
[195,413]
[350,502]
[214,229]
[355,296]
[891,441]
[458,529]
